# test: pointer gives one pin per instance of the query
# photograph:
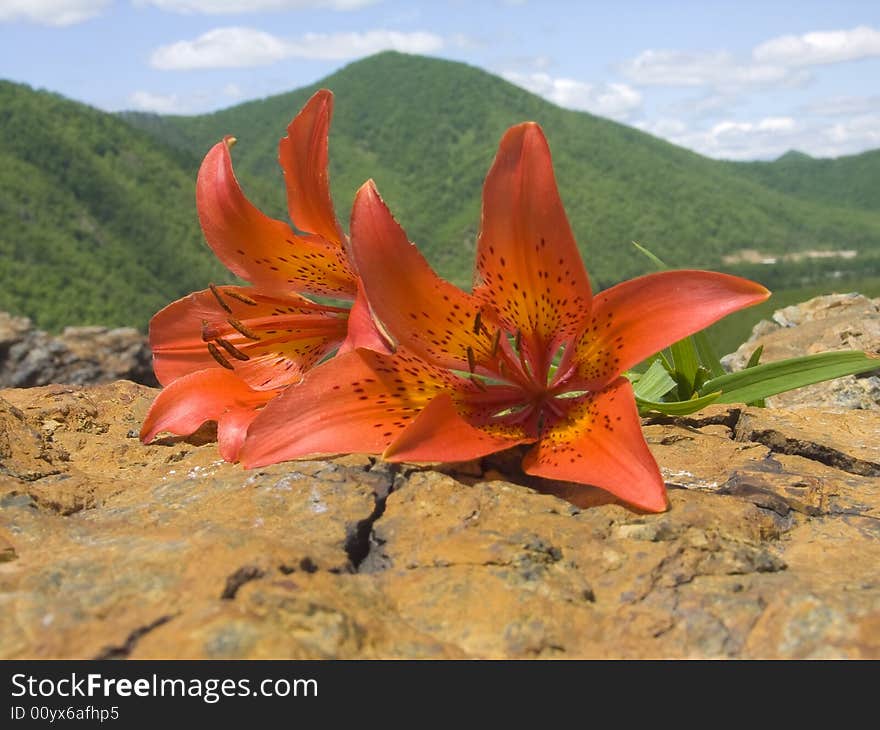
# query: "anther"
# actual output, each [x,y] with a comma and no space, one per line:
[215,353]
[216,292]
[477,323]
[236,325]
[479,383]
[496,339]
[232,350]
[241,297]
[470,359]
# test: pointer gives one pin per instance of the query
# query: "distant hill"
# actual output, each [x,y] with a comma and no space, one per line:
[97,215]
[852,181]
[97,219]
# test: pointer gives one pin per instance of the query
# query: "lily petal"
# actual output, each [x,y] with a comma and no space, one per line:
[639,317]
[232,428]
[262,250]
[429,316]
[303,155]
[440,433]
[527,260]
[600,443]
[269,341]
[363,330]
[206,395]
[357,402]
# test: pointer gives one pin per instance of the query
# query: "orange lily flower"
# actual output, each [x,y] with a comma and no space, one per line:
[263,337]
[474,373]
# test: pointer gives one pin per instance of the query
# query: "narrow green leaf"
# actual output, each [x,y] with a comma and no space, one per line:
[678,407]
[686,362]
[654,383]
[755,357]
[661,266]
[708,356]
[772,378]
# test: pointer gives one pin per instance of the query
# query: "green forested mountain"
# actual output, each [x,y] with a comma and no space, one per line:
[97,221]
[852,181]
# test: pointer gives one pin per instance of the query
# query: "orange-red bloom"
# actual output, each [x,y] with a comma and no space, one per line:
[224,352]
[475,373]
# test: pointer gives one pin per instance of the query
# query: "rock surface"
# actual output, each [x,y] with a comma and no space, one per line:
[112,549]
[79,355]
[832,322]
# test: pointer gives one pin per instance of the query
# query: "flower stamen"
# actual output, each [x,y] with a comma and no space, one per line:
[232,350]
[221,361]
[236,325]
[216,292]
[244,299]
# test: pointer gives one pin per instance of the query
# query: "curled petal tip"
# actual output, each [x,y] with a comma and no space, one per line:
[230,141]
[369,188]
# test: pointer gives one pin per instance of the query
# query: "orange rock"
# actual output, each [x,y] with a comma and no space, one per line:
[109,548]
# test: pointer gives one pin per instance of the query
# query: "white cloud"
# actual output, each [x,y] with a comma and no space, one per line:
[839,106]
[51,12]
[230,7]
[819,48]
[160,103]
[221,48]
[617,101]
[237,47]
[717,69]
[771,137]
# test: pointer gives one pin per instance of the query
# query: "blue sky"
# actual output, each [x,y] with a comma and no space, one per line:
[737,80]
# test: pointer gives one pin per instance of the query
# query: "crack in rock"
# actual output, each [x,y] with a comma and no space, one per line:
[729,418]
[742,487]
[361,539]
[123,651]
[781,444]
[243,575]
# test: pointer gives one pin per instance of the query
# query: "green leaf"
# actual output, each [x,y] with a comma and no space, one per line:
[703,352]
[706,352]
[654,383]
[678,407]
[686,363]
[755,357]
[661,266]
[762,381]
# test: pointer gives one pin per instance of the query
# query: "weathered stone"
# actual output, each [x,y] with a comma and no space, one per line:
[80,355]
[113,549]
[826,323]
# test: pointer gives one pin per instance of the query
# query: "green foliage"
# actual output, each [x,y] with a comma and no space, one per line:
[849,181]
[97,221]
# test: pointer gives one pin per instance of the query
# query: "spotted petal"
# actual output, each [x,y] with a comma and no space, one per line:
[635,319]
[600,443]
[303,155]
[262,250]
[269,341]
[426,314]
[357,402]
[440,433]
[529,268]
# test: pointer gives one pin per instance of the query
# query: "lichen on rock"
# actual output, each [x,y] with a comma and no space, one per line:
[112,549]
